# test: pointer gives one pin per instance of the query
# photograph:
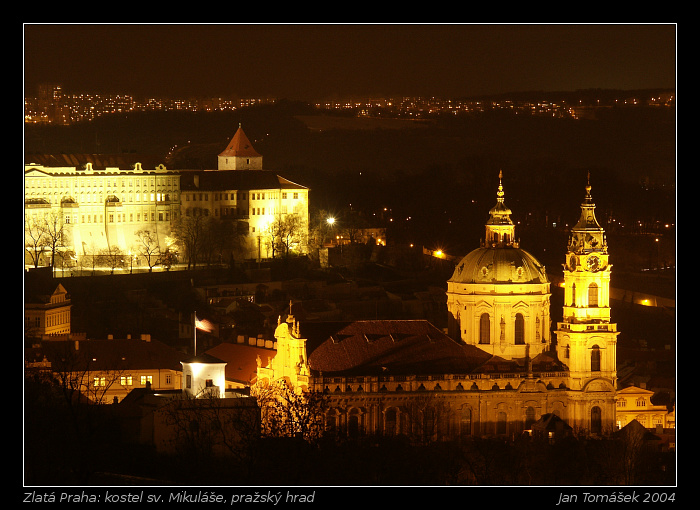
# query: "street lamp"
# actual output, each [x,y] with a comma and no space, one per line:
[330,221]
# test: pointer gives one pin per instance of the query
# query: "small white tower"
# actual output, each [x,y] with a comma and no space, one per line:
[204,376]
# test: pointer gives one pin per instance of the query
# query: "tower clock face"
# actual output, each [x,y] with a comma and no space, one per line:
[593,263]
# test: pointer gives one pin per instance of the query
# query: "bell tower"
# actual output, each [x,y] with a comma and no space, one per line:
[586,338]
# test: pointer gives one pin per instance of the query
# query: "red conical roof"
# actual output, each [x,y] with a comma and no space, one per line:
[240,146]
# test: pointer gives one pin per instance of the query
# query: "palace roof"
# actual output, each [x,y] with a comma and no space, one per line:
[98,161]
[225,180]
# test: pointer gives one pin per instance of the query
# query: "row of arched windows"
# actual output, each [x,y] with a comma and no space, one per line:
[398,422]
[485,329]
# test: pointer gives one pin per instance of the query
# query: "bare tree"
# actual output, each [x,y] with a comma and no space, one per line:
[148,247]
[35,238]
[321,228]
[200,428]
[46,233]
[80,381]
[287,412]
[56,233]
[287,233]
[112,257]
[429,418]
[189,232]
[224,240]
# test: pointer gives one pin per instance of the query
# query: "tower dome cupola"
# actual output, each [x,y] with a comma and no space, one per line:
[587,235]
[500,230]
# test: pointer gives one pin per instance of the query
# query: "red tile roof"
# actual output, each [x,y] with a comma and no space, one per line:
[107,355]
[241,360]
[397,347]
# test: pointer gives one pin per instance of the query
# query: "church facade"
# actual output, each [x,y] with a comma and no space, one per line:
[496,371]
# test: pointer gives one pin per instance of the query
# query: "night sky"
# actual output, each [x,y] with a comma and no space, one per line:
[308,62]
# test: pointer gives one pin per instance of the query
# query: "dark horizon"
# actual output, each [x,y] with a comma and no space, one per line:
[314,61]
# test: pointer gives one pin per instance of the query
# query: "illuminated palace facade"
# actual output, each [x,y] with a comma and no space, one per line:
[496,371]
[103,209]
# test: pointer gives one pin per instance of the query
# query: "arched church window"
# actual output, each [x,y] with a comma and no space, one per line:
[484,329]
[595,359]
[429,423]
[596,420]
[390,422]
[593,294]
[519,329]
[573,294]
[354,423]
[529,417]
[465,422]
[501,421]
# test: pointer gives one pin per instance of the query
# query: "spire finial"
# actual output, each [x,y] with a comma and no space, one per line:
[500,186]
[588,186]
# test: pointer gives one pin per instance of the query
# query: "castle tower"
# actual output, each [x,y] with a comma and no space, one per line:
[586,339]
[498,296]
[240,154]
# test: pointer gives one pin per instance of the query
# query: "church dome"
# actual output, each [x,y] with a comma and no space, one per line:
[500,258]
[501,264]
